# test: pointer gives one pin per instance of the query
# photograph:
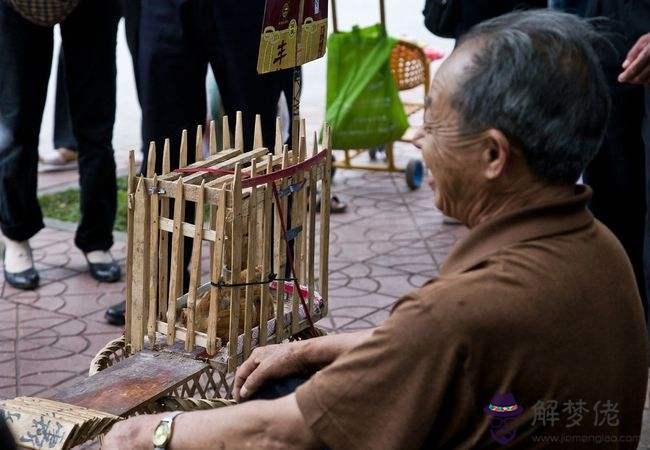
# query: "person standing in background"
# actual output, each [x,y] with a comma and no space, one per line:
[88,33]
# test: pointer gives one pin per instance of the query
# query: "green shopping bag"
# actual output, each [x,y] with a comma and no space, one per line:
[363,104]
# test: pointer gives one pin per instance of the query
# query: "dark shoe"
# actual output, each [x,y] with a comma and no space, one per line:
[115,314]
[27,279]
[336,205]
[105,272]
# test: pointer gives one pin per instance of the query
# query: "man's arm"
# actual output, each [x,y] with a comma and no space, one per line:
[273,362]
[257,424]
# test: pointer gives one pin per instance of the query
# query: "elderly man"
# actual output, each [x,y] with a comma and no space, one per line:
[532,335]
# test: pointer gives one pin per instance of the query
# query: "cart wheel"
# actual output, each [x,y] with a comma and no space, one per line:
[414,174]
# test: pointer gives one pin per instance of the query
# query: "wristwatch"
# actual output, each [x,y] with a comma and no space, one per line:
[163,432]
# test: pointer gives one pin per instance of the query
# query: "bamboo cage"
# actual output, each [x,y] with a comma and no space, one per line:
[254,226]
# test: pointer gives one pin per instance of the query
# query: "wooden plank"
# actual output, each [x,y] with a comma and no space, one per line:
[151,160]
[163,244]
[239,132]
[153,265]
[216,274]
[225,127]
[232,162]
[200,339]
[136,381]
[251,273]
[140,267]
[213,139]
[235,268]
[195,272]
[176,272]
[129,247]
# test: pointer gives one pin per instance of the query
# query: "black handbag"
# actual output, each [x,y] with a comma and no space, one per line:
[441,17]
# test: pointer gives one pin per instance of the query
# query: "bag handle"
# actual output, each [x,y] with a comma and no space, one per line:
[335,24]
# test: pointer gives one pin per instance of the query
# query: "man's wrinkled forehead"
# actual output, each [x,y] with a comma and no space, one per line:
[451,74]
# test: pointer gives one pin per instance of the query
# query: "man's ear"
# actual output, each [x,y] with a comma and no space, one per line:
[496,154]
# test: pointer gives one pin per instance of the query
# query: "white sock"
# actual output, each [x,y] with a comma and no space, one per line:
[99,257]
[18,256]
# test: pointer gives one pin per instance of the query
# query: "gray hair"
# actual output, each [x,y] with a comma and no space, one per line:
[537,78]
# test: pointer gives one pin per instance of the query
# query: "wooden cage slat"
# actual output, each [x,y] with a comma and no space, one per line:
[182,160]
[213,139]
[216,273]
[251,258]
[208,162]
[325,219]
[280,251]
[153,266]
[239,131]
[176,272]
[267,264]
[297,221]
[279,139]
[163,242]
[130,196]
[311,232]
[225,130]
[188,229]
[235,267]
[257,137]
[151,160]
[200,339]
[198,148]
[195,271]
[140,267]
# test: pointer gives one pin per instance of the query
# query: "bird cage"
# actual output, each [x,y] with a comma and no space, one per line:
[259,246]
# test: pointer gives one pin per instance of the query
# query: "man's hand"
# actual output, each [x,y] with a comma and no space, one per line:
[135,433]
[267,363]
[637,63]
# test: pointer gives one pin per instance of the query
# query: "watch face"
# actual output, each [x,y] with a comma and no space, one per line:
[161,434]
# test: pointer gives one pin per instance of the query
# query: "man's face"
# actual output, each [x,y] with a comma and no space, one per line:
[453,158]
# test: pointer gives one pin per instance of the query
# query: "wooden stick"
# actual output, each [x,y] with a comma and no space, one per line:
[250,265]
[226,133]
[176,272]
[213,139]
[216,272]
[279,139]
[239,132]
[195,270]
[153,264]
[140,266]
[129,252]
[183,151]
[163,245]
[235,268]
[267,220]
[257,138]
[198,149]
[295,137]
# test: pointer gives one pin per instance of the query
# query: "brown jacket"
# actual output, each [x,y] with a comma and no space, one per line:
[538,307]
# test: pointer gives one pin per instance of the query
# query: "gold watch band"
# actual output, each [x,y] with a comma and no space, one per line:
[162,435]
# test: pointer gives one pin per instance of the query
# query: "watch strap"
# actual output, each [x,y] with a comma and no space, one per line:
[169,419]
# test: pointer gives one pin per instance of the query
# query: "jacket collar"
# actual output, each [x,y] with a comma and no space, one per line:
[526,224]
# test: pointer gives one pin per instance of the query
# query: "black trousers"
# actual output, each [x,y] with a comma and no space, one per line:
[177,41]
[88,40]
